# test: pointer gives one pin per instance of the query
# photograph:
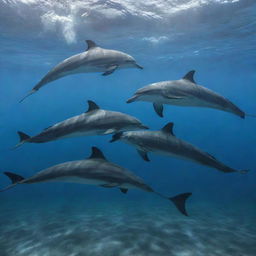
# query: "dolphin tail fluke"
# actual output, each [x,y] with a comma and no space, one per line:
[15,179]
[179,201]
[23,138]
[29,93]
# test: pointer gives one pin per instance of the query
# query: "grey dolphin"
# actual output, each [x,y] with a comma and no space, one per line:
[164,142]
[184,92]
[94,59]
[95,121]
[95,170]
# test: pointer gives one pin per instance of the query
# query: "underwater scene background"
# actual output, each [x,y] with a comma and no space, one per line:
[168,38]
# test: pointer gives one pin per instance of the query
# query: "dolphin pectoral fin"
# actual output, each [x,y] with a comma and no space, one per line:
[116,136]
[179,201]
[143,154]
[109,185]
[109,131]
[124,190]
[158,107]
[110,70]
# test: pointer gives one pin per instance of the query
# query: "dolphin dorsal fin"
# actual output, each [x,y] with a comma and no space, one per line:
[190,76]
[168,129]
[90,44]
[92,106]
[96,153]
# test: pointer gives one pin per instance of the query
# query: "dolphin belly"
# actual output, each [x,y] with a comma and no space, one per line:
[77,179]
[178,101]
[78,70]
[81,134]
[66,69]
[67,179]
[191,153]
[198,157]
[187,101]
[223,105]
[87,133]
[57,135]
[173,154]
[182,101]
[87,69]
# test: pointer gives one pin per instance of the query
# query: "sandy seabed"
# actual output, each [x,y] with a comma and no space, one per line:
[125,229]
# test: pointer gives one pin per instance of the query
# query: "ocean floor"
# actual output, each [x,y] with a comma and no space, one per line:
[125,229]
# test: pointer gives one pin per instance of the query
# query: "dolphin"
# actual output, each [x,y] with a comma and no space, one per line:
[94,59]
[96,170]
[164,142]
[95,121]
[183,92]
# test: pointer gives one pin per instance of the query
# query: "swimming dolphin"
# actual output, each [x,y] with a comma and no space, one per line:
[94,59]
[95,121]
[164,142]
[184,92]
[95,170]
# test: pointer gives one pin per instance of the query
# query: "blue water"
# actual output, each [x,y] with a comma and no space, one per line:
[168,38]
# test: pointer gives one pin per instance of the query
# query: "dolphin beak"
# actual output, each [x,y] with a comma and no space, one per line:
[138,66]
[144,127]
[132,99]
